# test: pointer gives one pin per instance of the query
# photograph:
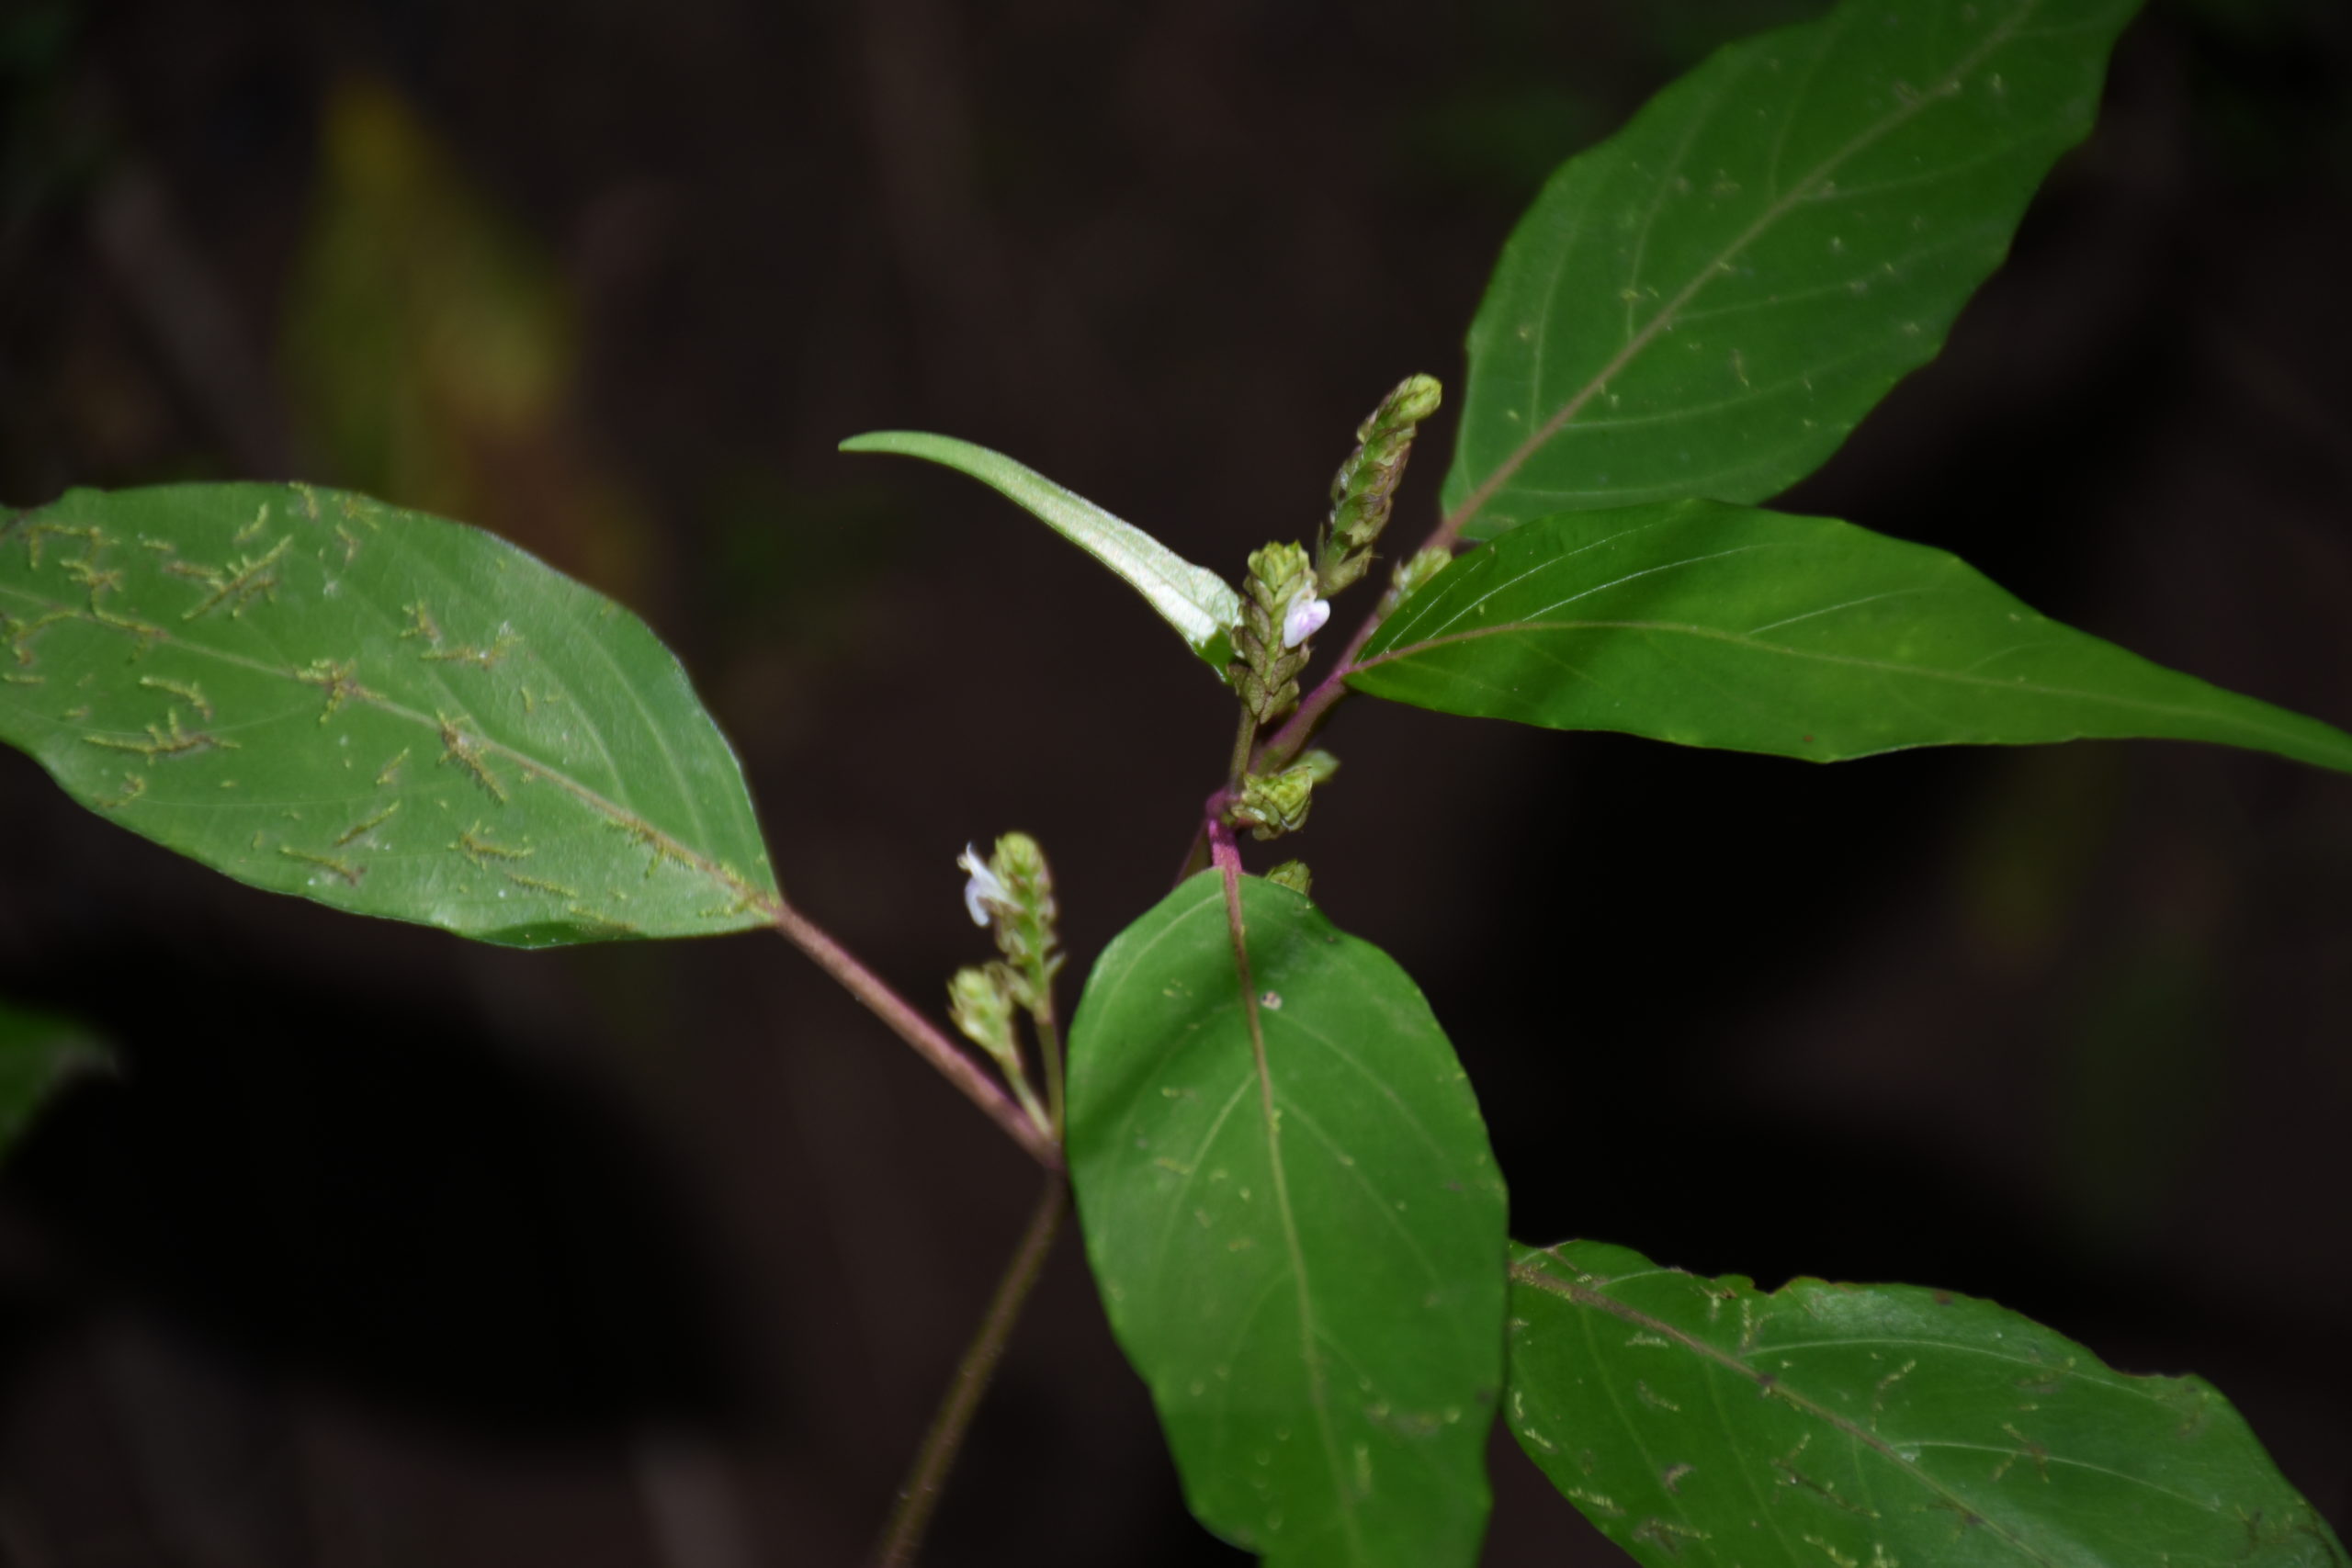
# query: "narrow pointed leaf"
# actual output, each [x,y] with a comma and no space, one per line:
[1200,605]
[379,710]
[1706,303]
[1299,1248]
[1804,636]
[1704,1423]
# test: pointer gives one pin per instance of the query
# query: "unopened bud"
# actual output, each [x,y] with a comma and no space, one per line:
[979,998]
[1411,575]
[1273,804]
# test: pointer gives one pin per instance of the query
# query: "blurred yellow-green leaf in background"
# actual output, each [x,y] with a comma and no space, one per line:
[430,349]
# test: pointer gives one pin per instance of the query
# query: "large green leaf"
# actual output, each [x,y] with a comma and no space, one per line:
[379,710]
[1297,1227]
[1705,1423]
[1706,303]
[1200,605]
[1804,636]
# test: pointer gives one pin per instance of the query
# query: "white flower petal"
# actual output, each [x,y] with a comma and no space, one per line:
[1305,617]
[982,889]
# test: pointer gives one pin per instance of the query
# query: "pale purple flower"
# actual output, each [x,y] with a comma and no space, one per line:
[1304,617]
[983,889]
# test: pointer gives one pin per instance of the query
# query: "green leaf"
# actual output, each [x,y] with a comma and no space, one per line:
[1803,637]
[37,1050]
[379,710]
[1703,1423]
[1707,302]
[1200,605]
[1299,1242]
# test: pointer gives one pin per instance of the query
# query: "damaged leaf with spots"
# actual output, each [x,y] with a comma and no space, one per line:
[1709,301]
[1296,1225]
[376,709]
[1704,1423]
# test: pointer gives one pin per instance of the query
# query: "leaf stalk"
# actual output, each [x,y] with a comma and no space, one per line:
[929,1042]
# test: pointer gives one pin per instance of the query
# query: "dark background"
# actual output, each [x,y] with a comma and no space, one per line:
[386,1249]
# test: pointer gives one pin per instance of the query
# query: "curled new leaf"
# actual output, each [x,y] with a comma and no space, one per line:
[1200,605]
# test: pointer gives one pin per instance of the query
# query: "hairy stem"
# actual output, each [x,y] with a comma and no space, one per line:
[928,1040]
[918,1498]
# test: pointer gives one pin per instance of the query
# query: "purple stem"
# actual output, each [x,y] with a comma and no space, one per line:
[917,1031]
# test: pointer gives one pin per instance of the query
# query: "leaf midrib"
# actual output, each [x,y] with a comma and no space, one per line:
[1778,209]
[723,876]
[1880,666]
[1310,1333]
[1543,1279]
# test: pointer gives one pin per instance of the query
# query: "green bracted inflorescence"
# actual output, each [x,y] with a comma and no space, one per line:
[1013,891]
[1024,924]
[979,998]
[1273,804]
[1364,489]
[1265,671]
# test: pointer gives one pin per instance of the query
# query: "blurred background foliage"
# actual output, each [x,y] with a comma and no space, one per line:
[432,349]
[375,1248]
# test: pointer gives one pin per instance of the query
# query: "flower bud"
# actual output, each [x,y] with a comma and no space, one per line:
[1271,804]
[1411,575]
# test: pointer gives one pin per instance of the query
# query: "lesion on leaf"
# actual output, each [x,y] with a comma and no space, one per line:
[167,740]
[339,680]
[466,750]
[334,865]
[237,584]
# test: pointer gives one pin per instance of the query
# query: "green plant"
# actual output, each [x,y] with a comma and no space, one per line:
[1285,1187]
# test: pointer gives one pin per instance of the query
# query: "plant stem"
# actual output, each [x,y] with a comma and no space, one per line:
[1243,740]
[918,1032]
[1224,851]
[918,1498]
[1049,1051]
